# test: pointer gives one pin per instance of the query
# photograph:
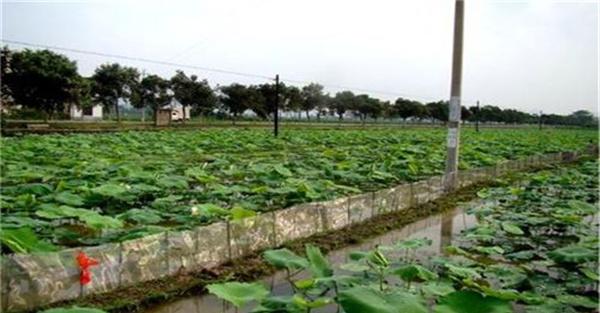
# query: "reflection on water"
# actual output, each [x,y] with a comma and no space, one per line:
[439,228]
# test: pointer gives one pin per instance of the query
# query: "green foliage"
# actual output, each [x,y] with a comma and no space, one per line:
[512,229]
[367,300]
[182,179]
[472,302]
[238,293]
[573,254]
[318,264]
[23,240]
[41,80]
[112,82]
[285,259]
[415,272]
[551,271]
[189,91]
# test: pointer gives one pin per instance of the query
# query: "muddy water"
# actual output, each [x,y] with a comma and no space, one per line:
[440,228]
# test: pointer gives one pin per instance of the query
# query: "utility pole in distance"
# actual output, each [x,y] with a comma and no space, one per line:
[453,139]
[540,120]
[276,116]
[477,117]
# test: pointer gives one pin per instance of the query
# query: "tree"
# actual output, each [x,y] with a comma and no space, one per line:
[490,113]
[406,108]
[192,92]
[367,106]
[292,98]
[263,106]
[438,110]
[41,80]
[5,61]
[81,93]
[113,82]
[475,113]
[313,98]
[465,113]
[582,118]
[153,92]
[342,102]
[237,98]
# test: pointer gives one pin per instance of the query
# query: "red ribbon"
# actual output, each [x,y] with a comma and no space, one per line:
[85,262]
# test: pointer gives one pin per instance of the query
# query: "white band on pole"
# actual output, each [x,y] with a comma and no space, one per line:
[454,114]
[452,137]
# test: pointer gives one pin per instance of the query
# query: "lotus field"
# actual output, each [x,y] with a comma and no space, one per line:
[534,249]
[77,190]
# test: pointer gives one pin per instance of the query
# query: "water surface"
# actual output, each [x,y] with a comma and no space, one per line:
[440,228]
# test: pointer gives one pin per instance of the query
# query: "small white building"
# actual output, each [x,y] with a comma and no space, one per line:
[177,110]
[89,113]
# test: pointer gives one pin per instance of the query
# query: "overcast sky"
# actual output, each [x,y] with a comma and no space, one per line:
[529,55]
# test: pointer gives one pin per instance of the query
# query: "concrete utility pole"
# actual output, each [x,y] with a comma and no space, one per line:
[453,140]
[144,105]
[276,117]
[477,118]
[540,120]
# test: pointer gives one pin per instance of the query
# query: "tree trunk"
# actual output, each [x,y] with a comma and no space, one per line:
[143,114]
[183,107]
[117,111]
[155,117]
[307,115]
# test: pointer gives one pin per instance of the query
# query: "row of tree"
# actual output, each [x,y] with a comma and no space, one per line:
[49,82]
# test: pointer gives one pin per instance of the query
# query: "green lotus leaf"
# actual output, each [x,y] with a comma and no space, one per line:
[141,216]
[578,301]
[239,213]
[110,190]
[437,288]
[173,182]
[512,229]
[68,198]
[367,300]
[466,301]
[284,258]
[239,294]
[414,272]
[24,240]
[318,265]
[573,254]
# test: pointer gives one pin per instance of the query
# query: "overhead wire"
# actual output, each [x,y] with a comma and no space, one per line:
[212,69]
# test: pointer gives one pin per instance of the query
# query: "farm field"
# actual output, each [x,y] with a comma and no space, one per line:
[534,248]
[85,190]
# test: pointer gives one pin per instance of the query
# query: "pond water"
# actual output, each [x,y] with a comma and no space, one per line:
[440,228]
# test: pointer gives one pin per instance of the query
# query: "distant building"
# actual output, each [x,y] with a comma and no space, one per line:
[178,112]
[89,113]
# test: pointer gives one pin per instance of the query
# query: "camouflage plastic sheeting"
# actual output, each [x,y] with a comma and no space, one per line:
[32,280]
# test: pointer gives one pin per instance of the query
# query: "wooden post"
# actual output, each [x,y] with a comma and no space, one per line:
[540,120]
[453,139]
[276,117]
[477,118]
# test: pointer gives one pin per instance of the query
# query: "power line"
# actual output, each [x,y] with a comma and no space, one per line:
[145,60]
[209,69]
[341,87]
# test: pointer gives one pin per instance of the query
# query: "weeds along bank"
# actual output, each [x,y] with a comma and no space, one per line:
[82,190]
[534,249]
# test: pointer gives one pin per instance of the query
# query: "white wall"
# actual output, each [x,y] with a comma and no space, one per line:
[77,113]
